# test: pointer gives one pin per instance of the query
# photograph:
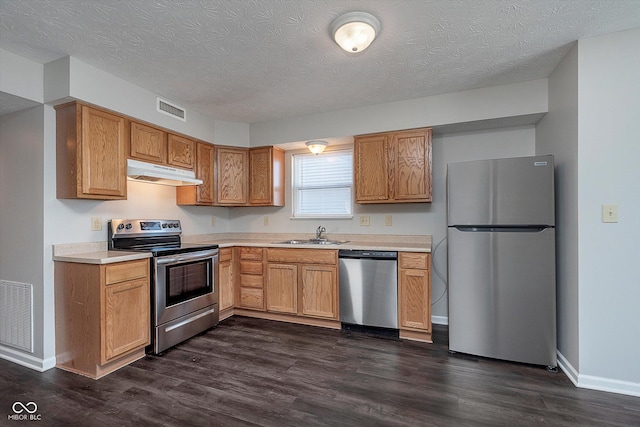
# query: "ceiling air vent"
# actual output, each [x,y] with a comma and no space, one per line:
[172,110]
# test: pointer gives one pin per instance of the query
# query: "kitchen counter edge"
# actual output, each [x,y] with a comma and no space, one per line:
[102,257]
[109,257]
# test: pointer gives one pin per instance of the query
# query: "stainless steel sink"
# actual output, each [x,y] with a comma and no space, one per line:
[312,242]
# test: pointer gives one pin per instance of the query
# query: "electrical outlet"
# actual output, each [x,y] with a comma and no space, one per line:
[388,221]
[365,221]
[609,213]
[212,221]
[96,224]
[265,220]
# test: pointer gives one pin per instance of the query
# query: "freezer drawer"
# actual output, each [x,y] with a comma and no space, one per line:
[502,295]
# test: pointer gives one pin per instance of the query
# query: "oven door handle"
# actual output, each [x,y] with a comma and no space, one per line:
[198,256]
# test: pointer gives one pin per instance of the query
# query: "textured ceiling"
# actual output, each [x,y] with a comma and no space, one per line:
[252,60]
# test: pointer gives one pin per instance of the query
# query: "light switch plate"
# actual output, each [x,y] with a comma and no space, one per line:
[266,220]
[212,221]
[609,213]
[388,221]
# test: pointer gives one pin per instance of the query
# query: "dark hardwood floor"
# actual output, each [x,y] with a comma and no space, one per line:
[258,372]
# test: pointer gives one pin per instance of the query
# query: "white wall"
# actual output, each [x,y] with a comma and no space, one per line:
[557,134]
[21,210]
[69,78]
[497,102]
[21,77]
[609,173]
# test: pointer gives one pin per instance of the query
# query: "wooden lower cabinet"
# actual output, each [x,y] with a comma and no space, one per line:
[319,291]
[302,282]
[102,315]
[250,285]
[282,288]
[225,282]
[414,295]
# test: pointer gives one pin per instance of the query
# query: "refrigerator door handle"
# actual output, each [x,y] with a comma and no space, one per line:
[515,229]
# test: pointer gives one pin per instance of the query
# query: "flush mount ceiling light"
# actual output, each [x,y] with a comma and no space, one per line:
[354,31]
[317,147]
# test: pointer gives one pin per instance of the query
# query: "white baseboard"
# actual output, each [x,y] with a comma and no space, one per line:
[439,320]
[597,383]
[567,368]
[27,360]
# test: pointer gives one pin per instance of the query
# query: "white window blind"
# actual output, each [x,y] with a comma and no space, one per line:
[322,185]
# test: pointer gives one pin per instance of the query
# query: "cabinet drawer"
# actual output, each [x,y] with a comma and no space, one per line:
[124,271]
[224,255]
[250,267]
[305,256]
[415,260]
[251,253]
[251,281]
[251,298]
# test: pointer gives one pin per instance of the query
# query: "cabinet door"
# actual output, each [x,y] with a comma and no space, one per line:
[225,276]
[260,176]
[414,297]
[319,291]
[204,171]
[411,166]
[231,174]
[102,147]
[371,154]
[180,151]
[148,143]
[126,318]
[266,176]
[282,288]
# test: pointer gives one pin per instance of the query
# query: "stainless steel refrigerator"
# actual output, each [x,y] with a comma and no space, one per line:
[501,259]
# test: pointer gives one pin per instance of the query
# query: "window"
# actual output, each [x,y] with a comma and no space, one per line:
[322,185]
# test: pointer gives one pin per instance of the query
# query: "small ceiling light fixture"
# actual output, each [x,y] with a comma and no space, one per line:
[317,147]
[354,31]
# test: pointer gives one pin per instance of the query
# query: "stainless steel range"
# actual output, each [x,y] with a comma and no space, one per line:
[184,277]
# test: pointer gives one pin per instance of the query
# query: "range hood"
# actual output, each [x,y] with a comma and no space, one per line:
[160,174]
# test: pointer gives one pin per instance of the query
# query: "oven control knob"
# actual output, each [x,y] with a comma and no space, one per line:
[176,225]
[128,226]
[164,225]
[120,226]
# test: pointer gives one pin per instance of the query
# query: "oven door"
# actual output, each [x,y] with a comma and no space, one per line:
[184,283]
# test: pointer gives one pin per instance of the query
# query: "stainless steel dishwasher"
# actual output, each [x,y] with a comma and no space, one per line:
[369,288]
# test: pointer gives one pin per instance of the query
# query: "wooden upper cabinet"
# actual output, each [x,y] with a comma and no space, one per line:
[180,151]
[411,165]
[249,176]
[202,194]
[371,157]
[148,144]
[90,153]
[393,167]
[266,176]
[232,167]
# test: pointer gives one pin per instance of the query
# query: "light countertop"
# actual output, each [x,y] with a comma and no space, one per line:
[97,253]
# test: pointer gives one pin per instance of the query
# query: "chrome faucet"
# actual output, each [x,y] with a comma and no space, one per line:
[319,232]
